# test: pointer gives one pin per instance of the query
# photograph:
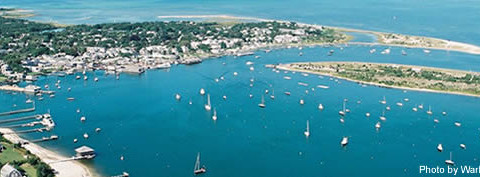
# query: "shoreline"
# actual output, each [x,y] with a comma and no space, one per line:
[64,168]
[463,47]
[285,67]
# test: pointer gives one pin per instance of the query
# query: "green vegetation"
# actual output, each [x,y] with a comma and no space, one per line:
[23,160]
[400,75]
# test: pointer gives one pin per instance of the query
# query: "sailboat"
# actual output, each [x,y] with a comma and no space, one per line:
[420,106]
[383,118]
[273,94]
[320,106]
[384,101]
[202,91]
[440,148]
[208,107]
[378,125]
[429,112]
[197,169]
[262,104]
[450,161]
[214,117]
[342,112]
[307,131]
[344,141]
[415,109]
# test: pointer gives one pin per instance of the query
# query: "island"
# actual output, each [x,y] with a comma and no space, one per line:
[396,76]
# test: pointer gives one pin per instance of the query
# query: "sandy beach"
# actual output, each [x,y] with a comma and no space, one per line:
[287,68]
[65,168]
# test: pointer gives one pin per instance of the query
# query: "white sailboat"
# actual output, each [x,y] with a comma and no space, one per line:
[383,118]
[342,112]
[214,117]
[178,97]
[458,124]
[344,141]
[439,148]
[320,106]
[273,95]
[307,131]
[378,125]
[450,161]
[197,169]
[302,101]
[262,104]
[202,91]
[429,112]
[208,107]
[384,101]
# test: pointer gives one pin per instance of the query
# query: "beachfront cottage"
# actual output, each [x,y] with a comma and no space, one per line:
[9,171]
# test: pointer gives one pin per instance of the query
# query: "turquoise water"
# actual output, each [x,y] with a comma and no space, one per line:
[159,136]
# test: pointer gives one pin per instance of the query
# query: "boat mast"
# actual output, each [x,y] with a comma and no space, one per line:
[197,163]
[208,99]
[308,127]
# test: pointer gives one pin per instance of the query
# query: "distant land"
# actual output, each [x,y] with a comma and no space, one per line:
[396,76]
[388,39]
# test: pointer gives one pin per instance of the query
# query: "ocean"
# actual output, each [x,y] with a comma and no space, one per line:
[160,136]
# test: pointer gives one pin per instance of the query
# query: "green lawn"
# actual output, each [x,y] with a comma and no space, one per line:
[29,169]
[10,154]
[2,79]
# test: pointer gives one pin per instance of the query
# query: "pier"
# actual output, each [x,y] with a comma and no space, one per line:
[19,111]
[31,124]
[53,137]
[21,119]
[32,130]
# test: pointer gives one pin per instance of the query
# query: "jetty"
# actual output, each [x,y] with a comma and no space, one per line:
[19,111]
[21,118]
